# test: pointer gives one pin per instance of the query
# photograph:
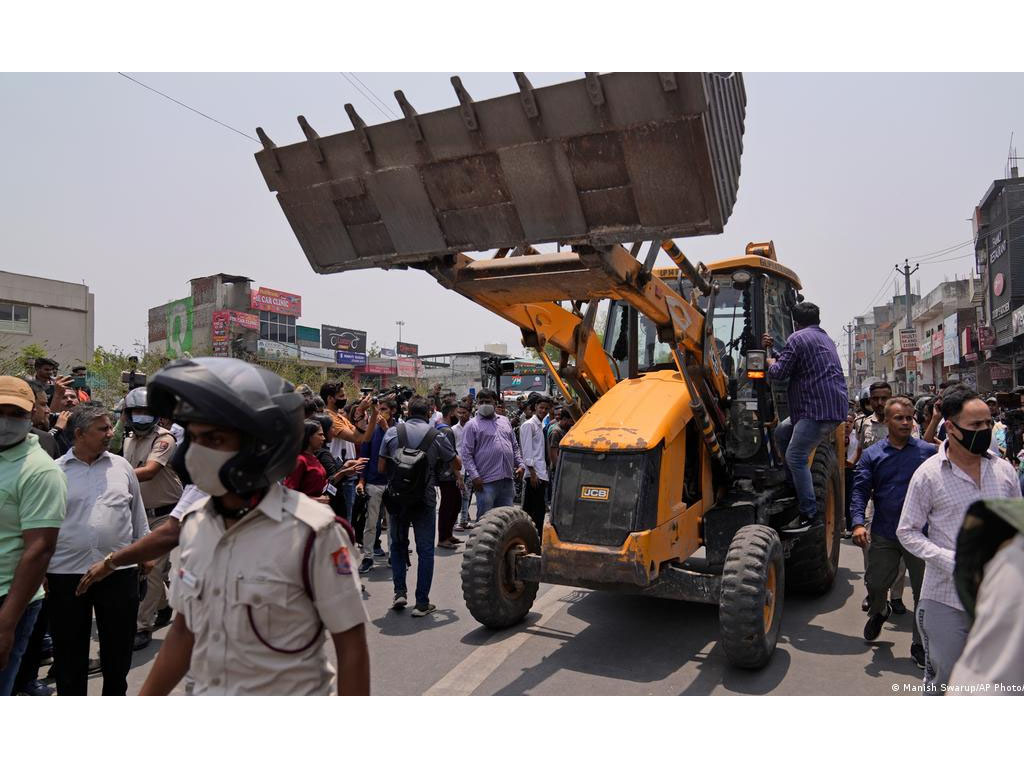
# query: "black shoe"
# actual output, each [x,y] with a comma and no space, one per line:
[366,565]
[142,639]
[163,617]
[917,654]
[36,688]
[866,604]
[874,624]
[94,666]
[898,607]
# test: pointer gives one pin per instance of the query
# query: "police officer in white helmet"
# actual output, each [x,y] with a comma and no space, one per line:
[149,448]
[261,570]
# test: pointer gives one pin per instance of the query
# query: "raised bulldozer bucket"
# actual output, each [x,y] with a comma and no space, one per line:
[622,157]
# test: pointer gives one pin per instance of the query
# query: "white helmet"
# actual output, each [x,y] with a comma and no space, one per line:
[140,423]
[136,398]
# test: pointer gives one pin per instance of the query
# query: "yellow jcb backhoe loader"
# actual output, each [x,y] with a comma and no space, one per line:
[669,483]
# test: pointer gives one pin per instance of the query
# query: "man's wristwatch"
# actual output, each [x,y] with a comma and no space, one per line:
[109,562]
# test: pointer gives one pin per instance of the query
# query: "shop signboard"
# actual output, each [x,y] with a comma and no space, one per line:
[379,366]
[908,340]
[987,336]
[391,353]
[349,358]
[1000,372]
[937,343]
[409,367]
[269,300]
[220,333]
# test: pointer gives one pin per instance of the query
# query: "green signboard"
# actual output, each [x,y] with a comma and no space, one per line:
[179,328]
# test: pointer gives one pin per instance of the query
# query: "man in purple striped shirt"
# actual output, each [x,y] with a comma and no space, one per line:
[817,398]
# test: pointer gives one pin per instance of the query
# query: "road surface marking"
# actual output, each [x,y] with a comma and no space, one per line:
[469,674]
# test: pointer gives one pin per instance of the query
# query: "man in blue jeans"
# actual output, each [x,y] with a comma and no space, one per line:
[423,518]
[490,453]
[817,399]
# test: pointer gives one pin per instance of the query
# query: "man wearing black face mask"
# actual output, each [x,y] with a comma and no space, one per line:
[944,486]
[149,448]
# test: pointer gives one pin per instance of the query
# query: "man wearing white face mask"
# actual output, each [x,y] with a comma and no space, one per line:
[261,570]
[149,448]
[490,453]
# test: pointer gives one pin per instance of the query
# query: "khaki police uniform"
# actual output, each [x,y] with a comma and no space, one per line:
[236,586]
[159,496]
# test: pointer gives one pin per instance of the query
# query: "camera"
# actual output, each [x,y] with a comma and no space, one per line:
[134,379]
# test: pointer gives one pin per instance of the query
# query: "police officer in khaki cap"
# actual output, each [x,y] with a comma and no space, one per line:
[261,570]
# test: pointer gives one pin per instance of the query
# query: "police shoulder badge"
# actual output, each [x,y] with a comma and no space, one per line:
[342,563]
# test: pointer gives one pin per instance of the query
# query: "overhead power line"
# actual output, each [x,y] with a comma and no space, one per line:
[371,100]
[191,109]
[387,107]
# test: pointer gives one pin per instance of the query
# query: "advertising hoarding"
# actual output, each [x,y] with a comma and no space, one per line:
[407,349]
[179,327]
[342,339]
[276,350]
[950,342]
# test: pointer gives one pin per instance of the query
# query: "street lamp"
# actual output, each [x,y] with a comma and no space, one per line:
[399,323]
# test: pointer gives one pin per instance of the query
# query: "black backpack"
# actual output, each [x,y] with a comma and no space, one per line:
[411,469]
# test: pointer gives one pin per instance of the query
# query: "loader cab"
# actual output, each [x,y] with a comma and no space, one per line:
[755,296]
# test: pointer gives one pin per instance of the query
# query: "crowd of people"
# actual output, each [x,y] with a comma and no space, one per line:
[98,502]
[215,496]
[914,466]
[915,470]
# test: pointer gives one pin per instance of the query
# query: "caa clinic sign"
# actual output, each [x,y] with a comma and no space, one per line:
[269,300]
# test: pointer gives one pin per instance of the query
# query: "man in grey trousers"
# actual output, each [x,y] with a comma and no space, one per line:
[963,471]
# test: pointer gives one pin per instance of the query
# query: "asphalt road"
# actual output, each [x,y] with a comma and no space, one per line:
[579,642]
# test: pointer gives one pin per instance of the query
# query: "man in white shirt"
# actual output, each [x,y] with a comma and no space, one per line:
[534,448]
[105,513]
[963,471]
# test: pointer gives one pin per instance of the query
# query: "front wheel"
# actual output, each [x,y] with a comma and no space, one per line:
[493,595]
[750,604]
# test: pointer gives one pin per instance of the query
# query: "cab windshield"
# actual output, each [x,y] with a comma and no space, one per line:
[727,324]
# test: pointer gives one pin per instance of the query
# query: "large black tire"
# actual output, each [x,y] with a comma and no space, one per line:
[750,605]
[814,559]
[492,596]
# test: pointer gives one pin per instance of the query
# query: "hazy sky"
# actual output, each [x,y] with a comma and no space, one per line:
[111,184]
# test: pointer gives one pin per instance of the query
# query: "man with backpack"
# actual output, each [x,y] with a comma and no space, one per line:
[412,455]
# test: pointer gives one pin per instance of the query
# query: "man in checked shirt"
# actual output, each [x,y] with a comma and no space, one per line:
[817,399]
[944,486]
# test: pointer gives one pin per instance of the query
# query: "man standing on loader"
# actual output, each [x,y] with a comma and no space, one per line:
[817,399]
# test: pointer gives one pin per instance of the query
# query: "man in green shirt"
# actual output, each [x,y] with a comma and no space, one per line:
[33,495]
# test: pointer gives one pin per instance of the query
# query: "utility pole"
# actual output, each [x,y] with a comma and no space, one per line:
[849,354]
[399,323]
[907,272]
